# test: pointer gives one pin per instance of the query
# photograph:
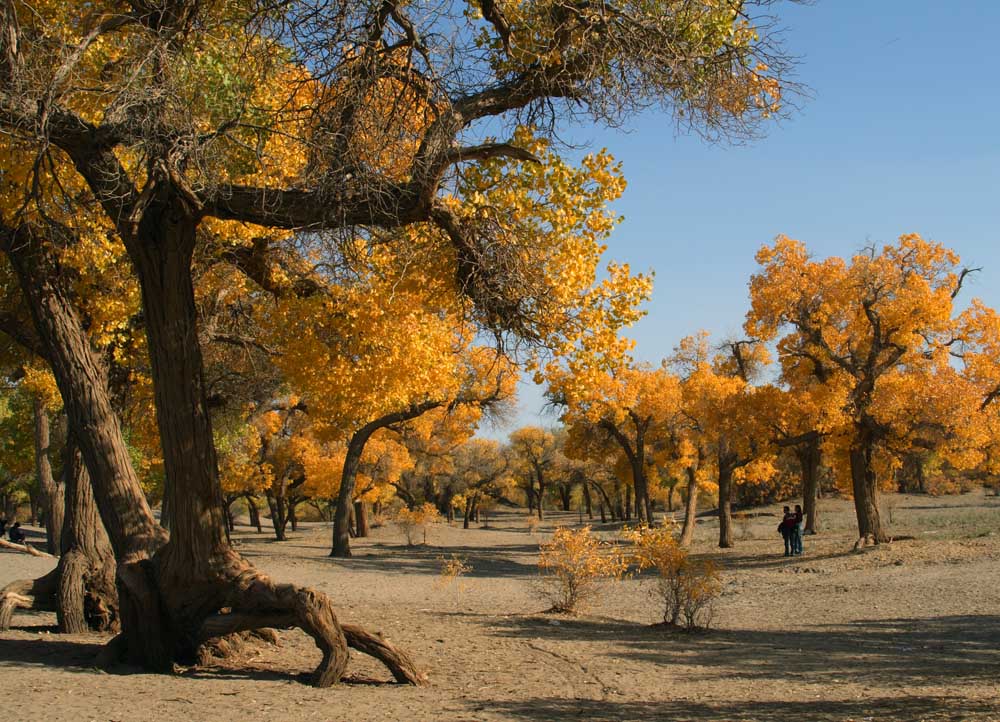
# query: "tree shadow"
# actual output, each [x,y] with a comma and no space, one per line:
[426,560]
[917,651]
[73,656]
[882,709]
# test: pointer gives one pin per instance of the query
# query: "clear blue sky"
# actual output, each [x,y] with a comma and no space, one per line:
[901,134]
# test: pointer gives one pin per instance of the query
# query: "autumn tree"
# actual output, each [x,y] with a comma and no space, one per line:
[164,113]
[887,312]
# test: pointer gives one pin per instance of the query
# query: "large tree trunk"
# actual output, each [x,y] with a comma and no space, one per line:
[88,596]
[195,587]
[52,492]
[865,487]
[81,589]
[690,508]
[725,504]
[82,382]
[809,458]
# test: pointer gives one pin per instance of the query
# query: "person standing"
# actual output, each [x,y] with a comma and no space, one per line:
[785,528]
[797,530]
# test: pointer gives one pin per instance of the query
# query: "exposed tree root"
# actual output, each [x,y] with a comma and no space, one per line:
[234,645]
[399,663]
[82,600]
[36,594]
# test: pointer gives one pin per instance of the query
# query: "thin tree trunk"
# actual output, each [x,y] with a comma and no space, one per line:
[52,492]
[468,512]
[725,505]
[279,515]
[690,508]
[809,458]
[565,496]
[587,503]
[361,518]
[628,503]
[254,513]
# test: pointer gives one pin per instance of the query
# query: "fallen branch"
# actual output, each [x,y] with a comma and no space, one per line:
[25,548]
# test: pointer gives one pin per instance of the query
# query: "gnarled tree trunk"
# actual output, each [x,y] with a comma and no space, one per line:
[197,587]
[81,589]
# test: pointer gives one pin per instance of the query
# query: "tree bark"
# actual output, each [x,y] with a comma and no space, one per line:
[361,518]
[52,492]
[809,459]
[279,515]
[82,382]
[690,508]
[81,589]
[88,595]
[565,494]
[254,513]
[725,505]
[865,487]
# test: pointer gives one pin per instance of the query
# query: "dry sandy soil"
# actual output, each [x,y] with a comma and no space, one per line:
[906,631]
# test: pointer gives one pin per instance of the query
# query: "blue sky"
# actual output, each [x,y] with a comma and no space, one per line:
[901,134]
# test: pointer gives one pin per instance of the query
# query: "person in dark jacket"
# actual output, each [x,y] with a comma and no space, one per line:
[15,534]
[785,528]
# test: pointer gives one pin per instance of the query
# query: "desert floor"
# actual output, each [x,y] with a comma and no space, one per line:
[904,631]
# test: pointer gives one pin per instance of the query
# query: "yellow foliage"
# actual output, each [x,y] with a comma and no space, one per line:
[686,587]
[573,565]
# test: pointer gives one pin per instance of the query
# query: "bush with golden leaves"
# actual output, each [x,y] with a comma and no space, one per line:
[687,587]
[414,522]
[573,566]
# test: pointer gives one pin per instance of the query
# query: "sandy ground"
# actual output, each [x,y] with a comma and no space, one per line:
[907,631]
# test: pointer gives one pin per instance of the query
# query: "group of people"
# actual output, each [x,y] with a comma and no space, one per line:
[14,533]
[791,530]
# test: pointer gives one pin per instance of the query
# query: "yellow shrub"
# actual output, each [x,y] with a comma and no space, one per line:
[686,587]
[414,521]
[452,568]
[573,565]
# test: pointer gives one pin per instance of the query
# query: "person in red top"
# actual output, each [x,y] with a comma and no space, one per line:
[786,528]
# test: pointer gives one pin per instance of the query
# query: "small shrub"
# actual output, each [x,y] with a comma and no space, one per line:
[452,569]
[744,521]
[686,587]
[573,566]
[414,522]
[531,524]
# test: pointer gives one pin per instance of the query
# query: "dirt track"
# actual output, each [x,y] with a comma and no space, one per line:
[907,631]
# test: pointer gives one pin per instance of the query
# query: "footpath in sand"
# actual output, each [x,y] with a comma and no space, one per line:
[906,631]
